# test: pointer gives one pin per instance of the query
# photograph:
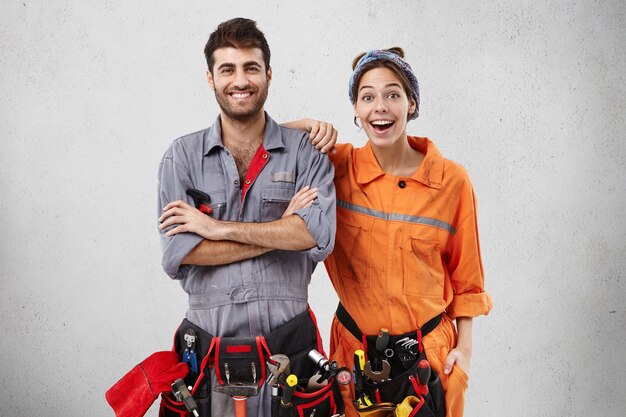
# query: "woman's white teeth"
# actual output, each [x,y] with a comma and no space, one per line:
[382,122]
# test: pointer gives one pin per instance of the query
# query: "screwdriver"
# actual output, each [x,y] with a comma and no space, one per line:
[423,374]
[182,394]
[359,364]
[288,389]
[382,340]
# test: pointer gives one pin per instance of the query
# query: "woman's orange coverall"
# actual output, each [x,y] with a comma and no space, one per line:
[406,250]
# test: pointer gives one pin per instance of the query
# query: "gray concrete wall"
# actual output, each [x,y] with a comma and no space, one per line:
[527,95]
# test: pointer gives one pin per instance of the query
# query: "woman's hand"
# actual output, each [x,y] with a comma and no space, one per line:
[322,134]
[188,219]
[461,355]
[460,358]
[301,199]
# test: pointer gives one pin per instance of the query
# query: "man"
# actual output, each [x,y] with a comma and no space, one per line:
[247,265]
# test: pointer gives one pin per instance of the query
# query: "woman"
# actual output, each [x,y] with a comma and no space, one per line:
[407,253]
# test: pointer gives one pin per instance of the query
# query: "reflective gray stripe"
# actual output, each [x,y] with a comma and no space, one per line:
[398,217]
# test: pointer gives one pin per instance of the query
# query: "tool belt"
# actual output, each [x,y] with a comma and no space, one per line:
[404,353]
[242,361]
[325,402]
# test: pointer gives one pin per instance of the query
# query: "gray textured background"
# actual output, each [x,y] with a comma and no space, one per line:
[529,97]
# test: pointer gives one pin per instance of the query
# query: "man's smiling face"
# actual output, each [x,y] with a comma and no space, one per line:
[240,82]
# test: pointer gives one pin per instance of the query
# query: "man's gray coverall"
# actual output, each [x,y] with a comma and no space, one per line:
[254,296]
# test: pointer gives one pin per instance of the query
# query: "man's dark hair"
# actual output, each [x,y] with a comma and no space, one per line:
[236,33]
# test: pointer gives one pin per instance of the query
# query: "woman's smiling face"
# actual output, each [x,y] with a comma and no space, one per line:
[383,106]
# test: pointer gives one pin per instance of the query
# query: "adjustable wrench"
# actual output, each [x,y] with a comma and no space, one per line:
[279,367]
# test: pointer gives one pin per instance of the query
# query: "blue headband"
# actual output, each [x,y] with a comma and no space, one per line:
[380,55]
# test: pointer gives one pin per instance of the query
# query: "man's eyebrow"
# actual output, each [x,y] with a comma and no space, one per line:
[226,65]
[245,64]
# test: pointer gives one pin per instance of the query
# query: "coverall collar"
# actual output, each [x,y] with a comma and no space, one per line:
[429,173]
[272,137]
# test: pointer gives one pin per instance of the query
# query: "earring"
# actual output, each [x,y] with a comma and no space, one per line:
[356,122]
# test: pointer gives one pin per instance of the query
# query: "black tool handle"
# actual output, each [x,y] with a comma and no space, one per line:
[288,390]
[382,340]
[179,388]
[423,374]
[201,200]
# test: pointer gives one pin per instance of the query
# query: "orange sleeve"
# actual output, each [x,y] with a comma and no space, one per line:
[340,153]
[464,263]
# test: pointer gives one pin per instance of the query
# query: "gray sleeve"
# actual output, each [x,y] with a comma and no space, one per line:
[316,170]
[174,180]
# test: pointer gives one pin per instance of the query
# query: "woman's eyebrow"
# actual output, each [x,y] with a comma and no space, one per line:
[387,86]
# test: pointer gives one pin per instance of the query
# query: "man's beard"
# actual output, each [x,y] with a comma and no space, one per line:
[242,115]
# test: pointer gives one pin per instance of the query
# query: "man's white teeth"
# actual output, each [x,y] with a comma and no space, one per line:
[382,122]
[241,95]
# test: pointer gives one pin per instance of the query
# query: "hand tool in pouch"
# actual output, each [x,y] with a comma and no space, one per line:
[239,391]
[189,355]
[279,367]
[359,363]
[382,340]
[423,375]
[288,390]
[377,376]
[182,394]
[328,369]
[407,351]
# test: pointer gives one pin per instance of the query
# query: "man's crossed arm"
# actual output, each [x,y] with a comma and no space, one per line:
[227,242]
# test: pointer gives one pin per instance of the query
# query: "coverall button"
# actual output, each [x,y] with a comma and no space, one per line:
[236,182]
[247,182]
[265,156]
[401,184]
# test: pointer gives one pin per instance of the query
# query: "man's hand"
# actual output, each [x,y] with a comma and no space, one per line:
[321,134]
[301,199]
[189,219]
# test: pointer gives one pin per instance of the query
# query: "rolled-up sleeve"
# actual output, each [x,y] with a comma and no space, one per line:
[316,170]
[173,182]
[465,265]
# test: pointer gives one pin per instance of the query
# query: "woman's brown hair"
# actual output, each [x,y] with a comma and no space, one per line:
[406,84]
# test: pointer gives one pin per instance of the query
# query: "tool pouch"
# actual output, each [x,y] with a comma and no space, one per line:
[411,406]
[397,389]
[236,361]
[240,360]
[296,338]
[403,381]
[325,402]
[193,345]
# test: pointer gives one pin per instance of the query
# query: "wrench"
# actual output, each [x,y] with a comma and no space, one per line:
[377,376]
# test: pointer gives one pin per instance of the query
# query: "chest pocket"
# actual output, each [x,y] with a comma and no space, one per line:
[218,203]
[424,272]
[274,200]
[353,246]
